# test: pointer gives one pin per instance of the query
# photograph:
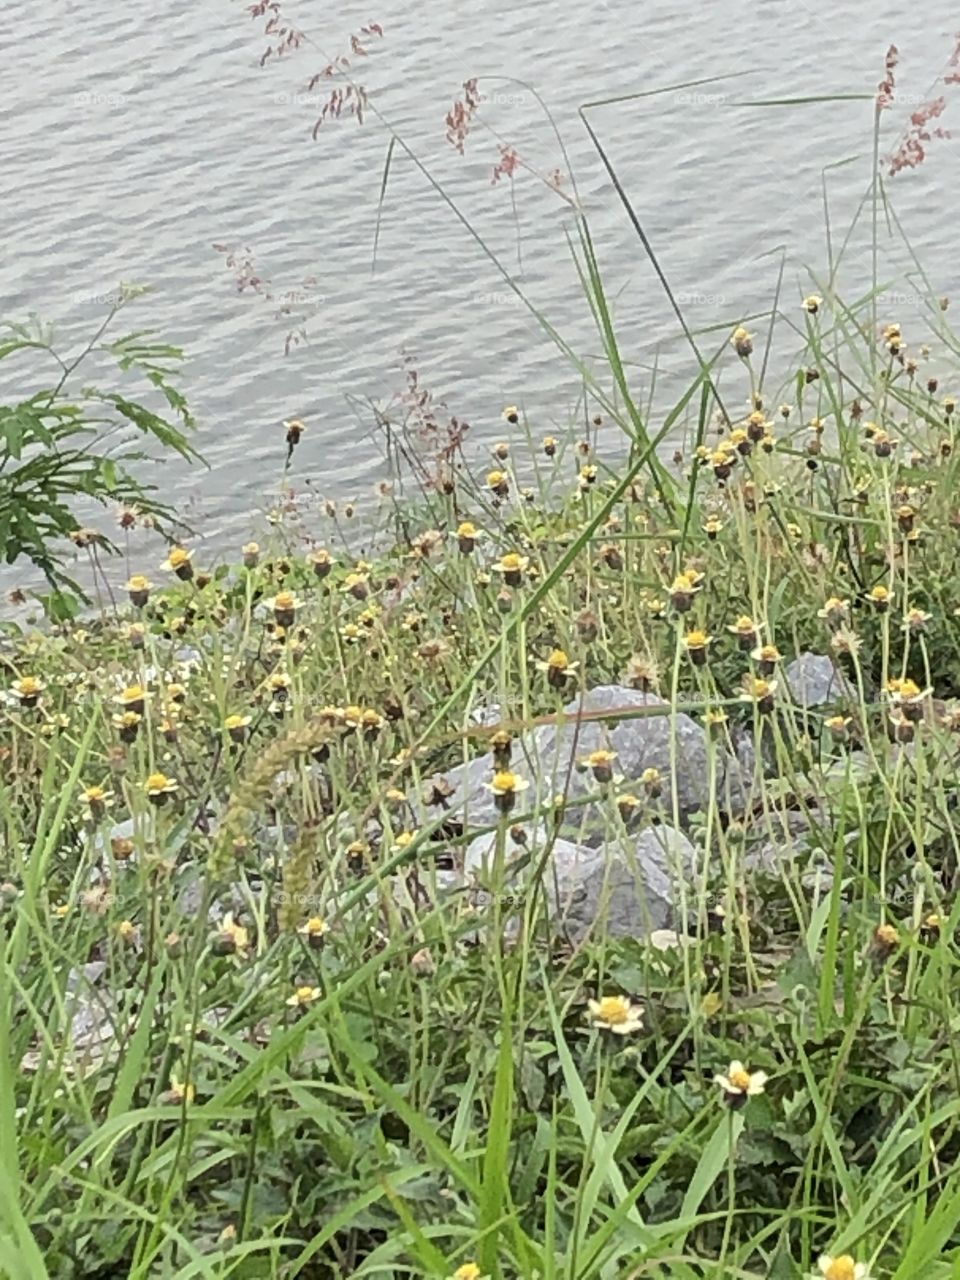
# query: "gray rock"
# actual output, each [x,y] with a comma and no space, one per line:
[627,889]
[548,758]
[813,680]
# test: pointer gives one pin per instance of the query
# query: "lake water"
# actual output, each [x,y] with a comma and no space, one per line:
[136,137]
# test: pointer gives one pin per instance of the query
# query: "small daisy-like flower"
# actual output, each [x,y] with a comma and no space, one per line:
[612,556]
[466,537]
[357,585]
[738,1084]
[759,690]
[879,597]
[616,1014]
[587,476]
[284,605]
[138,589]
[403,841]
[314,931]
[834,610]
[641,673]
[908,697]
[512,566]
[812,304]
[652,781]
[722,461]
[684,587]
[127,724]
[303,996]
[742,342]
[178,561]
[845,640]
[740,440]
[715,720]
[696,643]
[949,405]
[712,526]
[132,698]
[320,561]
[278,684]
[746,631]
[159,788]
[251,554]
[506,786]
[510,414]
[236,726]
[883,444]
[628,805]
[27,690]
[916,620]
[558,668]
[840,1267]
[767,656]
[498,482]
[549,445]
[501,744]
[885,940]
[127,932]
[96,801]
[467,1271]
[230,938]
[838,726]
[600,764]
[294,429]
[180,1091]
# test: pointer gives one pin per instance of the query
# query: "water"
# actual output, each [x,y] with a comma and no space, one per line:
[136,137]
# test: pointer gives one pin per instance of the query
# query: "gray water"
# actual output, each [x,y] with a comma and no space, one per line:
[135,137]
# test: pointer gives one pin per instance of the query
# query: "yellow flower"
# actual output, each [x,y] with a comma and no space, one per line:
[511,414]
[404,840]
[27,690]
[879,597]
[303,995]
[695,643]
[549,444]
[178,561]
[158,786]
[812,304]
[759,690]
[96,800]
[511,562]
[834,609]
[738,1083]
[600,763]
[841,1267]
[588,476]
[132,698]
[506,786]
[231,938]
[180,1091]
[616,1014]
[498,482]
[138,588]
[742,341]
[468,1271]
[558,668]
[506,783]
[313,930]
[916,620]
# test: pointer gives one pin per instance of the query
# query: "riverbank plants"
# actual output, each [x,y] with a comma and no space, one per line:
[254,1025]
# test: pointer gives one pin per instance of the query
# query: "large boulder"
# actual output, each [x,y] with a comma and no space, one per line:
[627,888]
[549,759]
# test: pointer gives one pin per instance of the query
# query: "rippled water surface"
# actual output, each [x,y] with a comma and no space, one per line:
[137,137]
